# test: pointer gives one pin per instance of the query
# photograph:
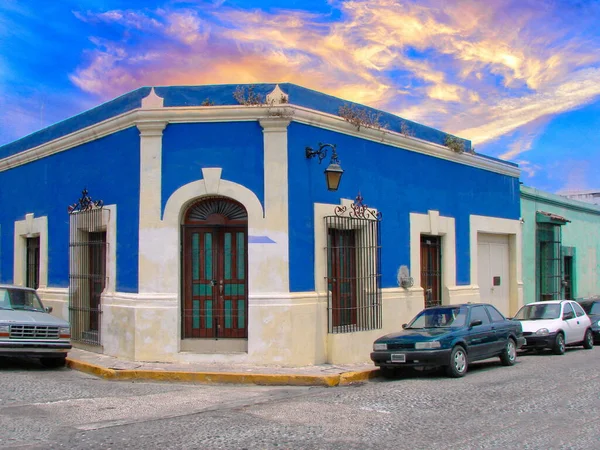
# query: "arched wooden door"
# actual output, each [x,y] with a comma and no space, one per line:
[215,270]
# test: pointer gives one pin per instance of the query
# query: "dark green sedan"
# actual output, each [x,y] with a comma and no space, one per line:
[450,336]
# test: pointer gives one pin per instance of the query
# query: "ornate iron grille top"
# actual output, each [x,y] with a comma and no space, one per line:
[85,203]
[359,210]
[217,205]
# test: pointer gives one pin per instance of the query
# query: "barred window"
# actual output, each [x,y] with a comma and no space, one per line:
[353,274]
[549,261]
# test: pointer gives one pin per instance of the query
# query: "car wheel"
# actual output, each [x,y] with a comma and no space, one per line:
[53,362]
[588,340]
[388,372]
[508,357]
[559,344]
[458,362]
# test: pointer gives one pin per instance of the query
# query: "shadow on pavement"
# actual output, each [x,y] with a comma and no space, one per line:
[9,364]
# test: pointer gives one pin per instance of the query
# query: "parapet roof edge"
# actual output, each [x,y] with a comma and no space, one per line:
[558,200]
[132,100]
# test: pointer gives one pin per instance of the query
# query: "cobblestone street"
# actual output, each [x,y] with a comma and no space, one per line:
[544,402]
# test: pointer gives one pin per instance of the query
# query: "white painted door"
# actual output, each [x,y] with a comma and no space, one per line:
[492,269]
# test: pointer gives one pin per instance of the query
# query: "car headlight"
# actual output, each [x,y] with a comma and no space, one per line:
[599,323]
[64,332]
[4,330]
[378,347]
[425,345]
[542,332]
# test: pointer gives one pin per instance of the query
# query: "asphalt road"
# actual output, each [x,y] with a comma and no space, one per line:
[543,402]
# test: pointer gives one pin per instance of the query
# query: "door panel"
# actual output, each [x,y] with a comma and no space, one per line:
[215,286]
[341,276]
[431,270]
[568,277]
[481,339]
[493,271]
[97,271]
[571,326]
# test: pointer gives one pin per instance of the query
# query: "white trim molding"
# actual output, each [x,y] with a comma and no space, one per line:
[150,200]
[29,228]
[152,112]
[323,210]
[512,229]
[433,224]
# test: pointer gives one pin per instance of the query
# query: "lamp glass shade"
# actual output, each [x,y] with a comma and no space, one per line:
[333,176]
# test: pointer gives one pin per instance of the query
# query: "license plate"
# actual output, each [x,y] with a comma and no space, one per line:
[398,357]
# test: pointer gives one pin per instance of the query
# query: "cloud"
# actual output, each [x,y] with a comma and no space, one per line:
[530,169]
[477,69]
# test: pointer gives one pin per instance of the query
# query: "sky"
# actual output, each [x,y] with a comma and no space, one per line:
[519,78]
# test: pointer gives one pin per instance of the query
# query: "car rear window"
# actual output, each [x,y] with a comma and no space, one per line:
[591,308]
[495,314]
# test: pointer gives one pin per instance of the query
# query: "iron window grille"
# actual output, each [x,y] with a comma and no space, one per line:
[353,269]
[87,269]
[549,261]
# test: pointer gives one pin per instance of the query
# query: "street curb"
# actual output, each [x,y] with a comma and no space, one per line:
[223,377]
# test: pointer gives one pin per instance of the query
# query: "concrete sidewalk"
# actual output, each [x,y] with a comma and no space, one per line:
[112,368]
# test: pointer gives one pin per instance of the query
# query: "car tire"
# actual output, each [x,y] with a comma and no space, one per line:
[388,372]
[588,340]
[508,357]
[53,363]
[459,362]
[559,344]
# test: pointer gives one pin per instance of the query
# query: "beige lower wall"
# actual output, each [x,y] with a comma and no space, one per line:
[284,329]
[58,299]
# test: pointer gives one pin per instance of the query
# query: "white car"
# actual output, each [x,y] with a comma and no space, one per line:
[555,324]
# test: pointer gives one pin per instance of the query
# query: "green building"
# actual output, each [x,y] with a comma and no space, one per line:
[561,247]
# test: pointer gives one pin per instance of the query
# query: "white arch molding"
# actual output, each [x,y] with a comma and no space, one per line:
[166,264]
[212,184]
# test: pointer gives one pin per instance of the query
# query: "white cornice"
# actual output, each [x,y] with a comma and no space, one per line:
[237,113]
[335,123]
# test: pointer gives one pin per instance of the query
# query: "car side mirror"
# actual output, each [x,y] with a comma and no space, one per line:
[48,309]
[403,326]
[476,323]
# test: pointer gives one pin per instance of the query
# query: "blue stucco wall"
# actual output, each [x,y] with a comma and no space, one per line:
[396,182]
[235,147]
[109,169]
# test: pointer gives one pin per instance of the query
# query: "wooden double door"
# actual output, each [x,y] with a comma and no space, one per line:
[215,303]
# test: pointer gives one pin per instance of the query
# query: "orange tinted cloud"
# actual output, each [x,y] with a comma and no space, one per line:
[477,69]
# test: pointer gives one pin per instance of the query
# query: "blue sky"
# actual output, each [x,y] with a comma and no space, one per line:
[520,78]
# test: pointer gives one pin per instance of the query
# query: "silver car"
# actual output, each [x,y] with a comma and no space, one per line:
[28,329]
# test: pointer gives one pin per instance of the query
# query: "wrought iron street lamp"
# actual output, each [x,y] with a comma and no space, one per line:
[334,172]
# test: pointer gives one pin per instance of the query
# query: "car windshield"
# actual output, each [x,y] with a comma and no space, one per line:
[440,318]
[591,307]
[539,312]
[20,299]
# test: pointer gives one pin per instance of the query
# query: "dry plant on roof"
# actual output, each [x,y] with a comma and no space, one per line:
[406,130]
[360,117]
[246,96]
[455,144]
